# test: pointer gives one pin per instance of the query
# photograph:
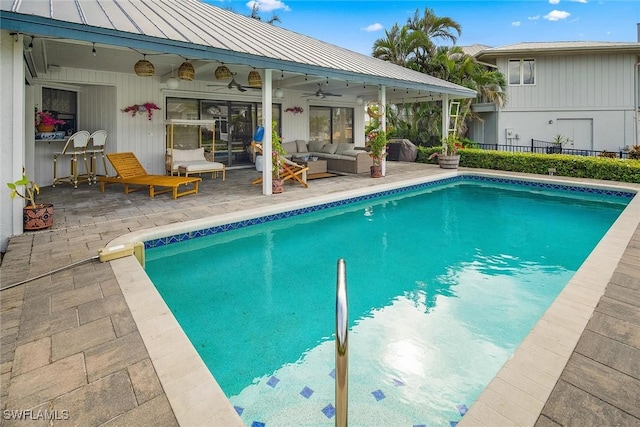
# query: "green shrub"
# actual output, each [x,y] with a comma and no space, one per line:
[604,168]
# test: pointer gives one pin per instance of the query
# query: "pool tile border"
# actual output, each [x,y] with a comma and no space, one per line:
[176,238]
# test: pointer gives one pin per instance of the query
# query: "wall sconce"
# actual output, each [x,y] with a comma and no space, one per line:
[186,71]
[93,51]
[144,68]
[550,122]
[359,100]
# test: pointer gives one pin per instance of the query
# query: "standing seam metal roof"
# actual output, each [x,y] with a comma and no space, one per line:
[191,22]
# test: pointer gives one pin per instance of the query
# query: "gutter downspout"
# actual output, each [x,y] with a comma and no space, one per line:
[636,96]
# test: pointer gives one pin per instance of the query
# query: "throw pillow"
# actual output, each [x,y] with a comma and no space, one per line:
[344,146]
[301,146]
[329,148]
[315,146]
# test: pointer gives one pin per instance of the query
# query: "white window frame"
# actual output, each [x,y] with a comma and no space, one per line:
[521,71]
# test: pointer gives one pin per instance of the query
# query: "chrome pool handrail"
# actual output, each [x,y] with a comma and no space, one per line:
[342,347]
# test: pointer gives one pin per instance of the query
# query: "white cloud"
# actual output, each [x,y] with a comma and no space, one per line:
[556,15]
[515,24]
[554,1]
[580,1]
[268,5]
[534,18]
[373,27]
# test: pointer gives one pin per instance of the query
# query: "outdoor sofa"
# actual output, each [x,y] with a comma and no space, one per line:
[341,157]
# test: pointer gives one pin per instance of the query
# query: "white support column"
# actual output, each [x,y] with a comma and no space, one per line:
[267,118]
[445,116]
[13,134]
[382,92]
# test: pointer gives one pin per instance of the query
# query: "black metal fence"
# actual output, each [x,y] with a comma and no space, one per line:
[545,147]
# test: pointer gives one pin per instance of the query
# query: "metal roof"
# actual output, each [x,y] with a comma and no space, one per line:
[197,30]
[559,47]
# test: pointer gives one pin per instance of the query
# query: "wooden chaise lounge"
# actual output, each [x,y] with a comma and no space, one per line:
[130,172]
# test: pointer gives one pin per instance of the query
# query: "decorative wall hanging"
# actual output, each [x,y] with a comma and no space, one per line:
[375,109]
[147,107]
[294,110]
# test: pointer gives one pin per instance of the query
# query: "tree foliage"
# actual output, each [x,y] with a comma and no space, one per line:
[414,45]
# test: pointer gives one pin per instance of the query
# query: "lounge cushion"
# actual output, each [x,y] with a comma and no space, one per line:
[179,156]
[351,153]
[344,146]
[203,165]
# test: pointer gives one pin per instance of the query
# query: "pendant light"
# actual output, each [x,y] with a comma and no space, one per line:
[172,82]
[222,72]
[186,71]
[144,68]
[254,79]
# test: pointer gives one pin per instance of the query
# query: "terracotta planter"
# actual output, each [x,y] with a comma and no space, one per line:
[277,186]
[38,218]
[449,162]
[46,128]
[376,171]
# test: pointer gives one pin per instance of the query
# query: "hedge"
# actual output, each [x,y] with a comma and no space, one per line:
[565,165]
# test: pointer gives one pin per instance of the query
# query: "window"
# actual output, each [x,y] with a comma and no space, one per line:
[331,124]
[63,105]
[522,71]
[235,124]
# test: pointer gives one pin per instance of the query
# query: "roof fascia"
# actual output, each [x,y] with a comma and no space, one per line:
[487,54]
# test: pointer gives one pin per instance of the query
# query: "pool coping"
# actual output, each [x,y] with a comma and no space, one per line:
[517,393]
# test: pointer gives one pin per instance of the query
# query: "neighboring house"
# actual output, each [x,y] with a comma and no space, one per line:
[78,58]
[587,92]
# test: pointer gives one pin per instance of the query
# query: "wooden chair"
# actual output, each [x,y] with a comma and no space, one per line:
[130,172]
[290,170]
[75,148]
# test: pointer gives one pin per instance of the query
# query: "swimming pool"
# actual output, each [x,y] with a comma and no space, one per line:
[463,262]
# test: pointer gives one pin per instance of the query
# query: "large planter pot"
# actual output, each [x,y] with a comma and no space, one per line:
[449,162]
[45,128]
[277,186]
[38,218]
[376,171]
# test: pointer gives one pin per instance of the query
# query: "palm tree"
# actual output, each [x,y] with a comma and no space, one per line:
[255,9]
[432,28]
[398,46]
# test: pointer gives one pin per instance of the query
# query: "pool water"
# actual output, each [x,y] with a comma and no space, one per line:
[443,284]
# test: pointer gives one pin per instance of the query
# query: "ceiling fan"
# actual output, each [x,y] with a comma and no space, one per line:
[322,94]
[233,84]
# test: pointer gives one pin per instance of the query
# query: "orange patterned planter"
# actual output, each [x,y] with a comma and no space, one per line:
[38,218]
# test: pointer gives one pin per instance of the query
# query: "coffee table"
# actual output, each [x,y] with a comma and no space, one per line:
[315,166]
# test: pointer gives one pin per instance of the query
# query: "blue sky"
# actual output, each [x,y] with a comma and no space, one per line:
[355,25]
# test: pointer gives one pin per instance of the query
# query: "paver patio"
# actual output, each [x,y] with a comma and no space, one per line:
[70,343]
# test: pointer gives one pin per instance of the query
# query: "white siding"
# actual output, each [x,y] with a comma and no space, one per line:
[576,82]
[102,96]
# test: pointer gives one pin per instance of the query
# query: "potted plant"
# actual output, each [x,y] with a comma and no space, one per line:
[377,142]
[449,158]
[557,144]
[277,183]
[46,122]
[35,216]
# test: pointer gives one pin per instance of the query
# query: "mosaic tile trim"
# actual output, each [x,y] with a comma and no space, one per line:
[163,241]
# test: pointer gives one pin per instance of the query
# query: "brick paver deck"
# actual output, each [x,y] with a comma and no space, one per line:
[70,345]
